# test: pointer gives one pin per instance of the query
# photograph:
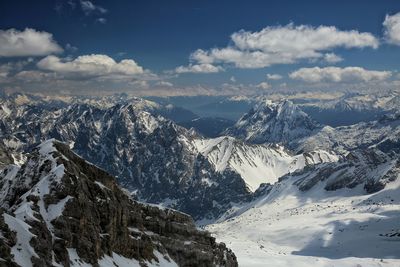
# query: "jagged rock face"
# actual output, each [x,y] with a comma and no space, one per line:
[383,134]
[154,158]
[158,161]
[59,208]
[149,155]
[161,162]
[372,169]
[5,156]
[270,122]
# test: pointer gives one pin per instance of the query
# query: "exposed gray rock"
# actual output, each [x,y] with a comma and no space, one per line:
[371,168]
[148,154]
[70,203]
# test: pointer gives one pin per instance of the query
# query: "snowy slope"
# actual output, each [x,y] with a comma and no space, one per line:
[295,226]
[256,164]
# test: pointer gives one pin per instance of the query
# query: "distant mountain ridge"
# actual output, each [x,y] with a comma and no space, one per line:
[284,122]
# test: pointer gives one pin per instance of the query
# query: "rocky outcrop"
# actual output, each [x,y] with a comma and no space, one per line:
[371,168]
[5,156]
[60,209]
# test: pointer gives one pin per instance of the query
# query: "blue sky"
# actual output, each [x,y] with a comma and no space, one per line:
[186,47]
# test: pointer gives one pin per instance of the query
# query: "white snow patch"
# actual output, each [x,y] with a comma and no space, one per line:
[56,210]
[102,186]
[47,147]
[22,251]
[120,261]
[75,260]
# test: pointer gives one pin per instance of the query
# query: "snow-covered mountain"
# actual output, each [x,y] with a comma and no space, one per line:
[387,101]
[333,214]
[322,214]
[351,108]
[59,210]
[174,113]
[315,179]
[152,157]
[273,122]
[257,164]
[383,134]
[284,122]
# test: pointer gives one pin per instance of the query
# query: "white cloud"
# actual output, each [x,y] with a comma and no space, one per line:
[263,85]
[332,58]
[302,39]
[34,76]
[232,79]
[71,48]
[335,74]
[92,66]
[274,76]
[240,59]
[200,68]
[164,84]
[7,70]
[392,29]
[101,20]
[29,42]
[4,72]
[140,84]
[283,45]
[283,85]
[88,7]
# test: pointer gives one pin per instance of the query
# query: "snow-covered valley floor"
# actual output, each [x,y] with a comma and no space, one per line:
[293,228]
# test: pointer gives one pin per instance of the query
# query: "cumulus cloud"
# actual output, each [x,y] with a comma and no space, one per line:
[92,66]
[88,8]
[335,74]
[274,76]
[332,58]
[263,85]
[199,68]
[283,45]
[392,29]
[29,42]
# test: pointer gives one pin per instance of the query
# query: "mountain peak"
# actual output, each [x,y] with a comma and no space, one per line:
[273,122]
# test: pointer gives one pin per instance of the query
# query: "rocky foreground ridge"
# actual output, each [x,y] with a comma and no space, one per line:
[59,210]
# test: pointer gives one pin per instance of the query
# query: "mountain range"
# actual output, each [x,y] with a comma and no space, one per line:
[275,168]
